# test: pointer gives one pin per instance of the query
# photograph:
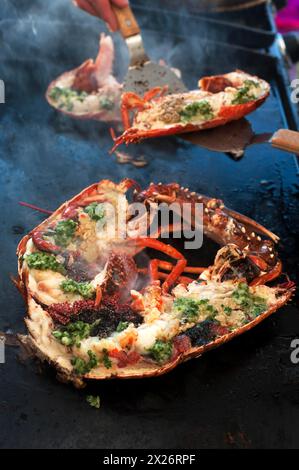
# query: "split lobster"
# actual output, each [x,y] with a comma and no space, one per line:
[220,99]
[124,289]
[90,91]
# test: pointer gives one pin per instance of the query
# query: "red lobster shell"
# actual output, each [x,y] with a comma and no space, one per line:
[90,91]
[227,227]
[220,99]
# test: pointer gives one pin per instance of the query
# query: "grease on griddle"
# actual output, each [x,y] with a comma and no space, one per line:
[123,158]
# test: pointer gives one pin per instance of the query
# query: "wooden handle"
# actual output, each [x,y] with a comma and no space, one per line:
[126,21]
[287,140]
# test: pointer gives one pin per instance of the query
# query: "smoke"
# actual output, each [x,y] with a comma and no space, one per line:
[61,36]
[55,31]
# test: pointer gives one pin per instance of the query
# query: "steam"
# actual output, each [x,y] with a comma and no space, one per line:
[62,36]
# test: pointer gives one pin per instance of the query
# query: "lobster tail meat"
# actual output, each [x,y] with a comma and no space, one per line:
[219,100]
[94,312]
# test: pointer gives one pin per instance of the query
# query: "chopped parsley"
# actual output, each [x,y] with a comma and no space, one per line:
[161,351]
[198,108]
[251,83]
[56,93]
[122,326]
[106,360]
[43,261]
[251,304]
[243,94]
[85,289]
[94,401]
[227,310]
[191,309]
[208,309]
[66,96]
[64,232]
[82,367]
[106,103]
[188,308]
[95,211]
[74,333]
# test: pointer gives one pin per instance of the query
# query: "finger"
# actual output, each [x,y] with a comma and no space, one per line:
[86,6]
[120,3]
[104,10]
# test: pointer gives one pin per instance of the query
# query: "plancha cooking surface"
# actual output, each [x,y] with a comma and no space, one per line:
[244,394]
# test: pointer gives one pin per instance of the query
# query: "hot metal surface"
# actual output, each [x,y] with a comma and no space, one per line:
[244,394]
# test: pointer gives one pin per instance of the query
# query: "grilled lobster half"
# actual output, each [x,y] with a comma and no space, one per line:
[99,307]
[90,91]
[219,100]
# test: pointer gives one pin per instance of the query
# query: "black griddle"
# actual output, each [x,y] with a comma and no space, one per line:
[245,394]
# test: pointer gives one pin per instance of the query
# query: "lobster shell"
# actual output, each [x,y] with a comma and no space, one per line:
[213,84]
[108,87]
[101,115]
[37,317]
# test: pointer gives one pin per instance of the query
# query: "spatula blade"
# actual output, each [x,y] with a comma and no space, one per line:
[142,78]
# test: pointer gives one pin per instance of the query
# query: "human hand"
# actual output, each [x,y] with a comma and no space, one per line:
[102,9]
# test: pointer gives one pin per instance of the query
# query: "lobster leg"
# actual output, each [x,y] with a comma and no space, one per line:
[166,266]
[44,245]
[132,101]
[181,279]
[155,92]
[159,275]
[170,251]
[154,269]
[174,275]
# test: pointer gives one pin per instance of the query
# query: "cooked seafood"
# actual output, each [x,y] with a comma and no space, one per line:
[94,313]
[89,91]
[219,100]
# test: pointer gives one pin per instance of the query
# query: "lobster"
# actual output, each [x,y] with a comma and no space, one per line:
[127,290]
[244,254]
[90,91]
[220,99]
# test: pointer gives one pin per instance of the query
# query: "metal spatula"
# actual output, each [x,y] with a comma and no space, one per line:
[143,74]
